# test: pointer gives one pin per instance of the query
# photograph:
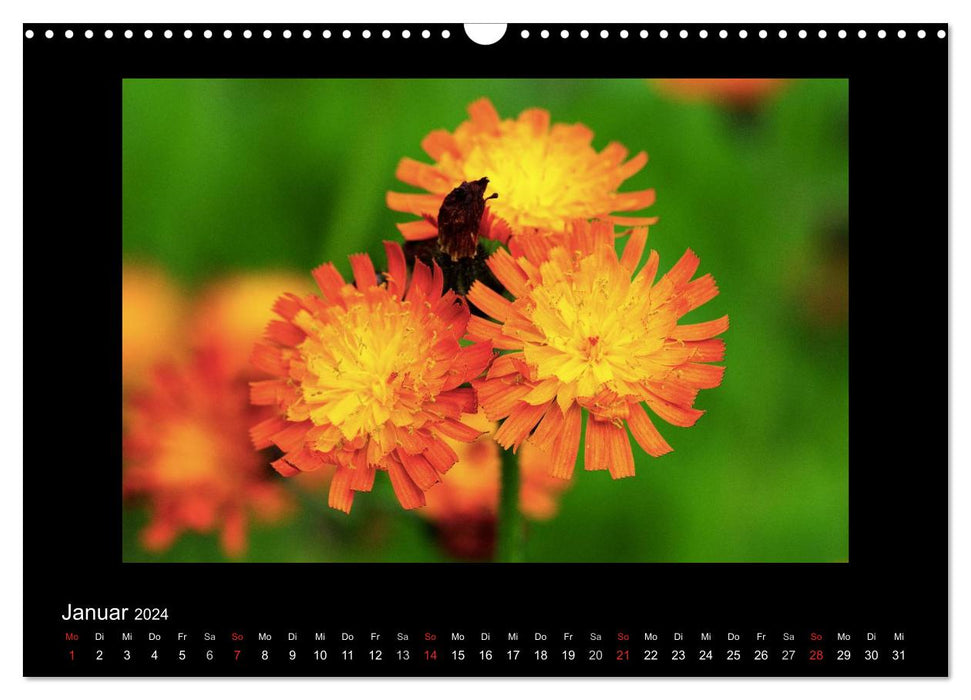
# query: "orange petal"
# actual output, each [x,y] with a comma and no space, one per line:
[516,428]
[700,291]
[457,430]
[397,274]
[701,376]
[643,430]
[568,444]
[440,142]
[633,250]
[407,491]
[417,204]
[608,448]
[681,416]
[632,201]
[711,350]
[340,495]
[508,272]
[700,331]
[330,282]
[634,165]
[469,363]
[421,472]
[537,119]
[490,302]
[420,230]
[262,433]
[425,176]
[269,358]
[484,115]
[498,397]
[363,268]
[440,456]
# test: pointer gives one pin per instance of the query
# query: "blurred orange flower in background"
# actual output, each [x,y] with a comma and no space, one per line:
[188,456]
[732,92]
[232,313]
[369,376]
[565,179]
[585,332]
[153,311]
[465,505]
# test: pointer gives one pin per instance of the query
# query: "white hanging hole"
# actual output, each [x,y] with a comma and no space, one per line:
[446,34]
[49,34]
[584,33]
[287,33]
[604,33]
[882,34]
[783,33]
[366,34]
[228,34]
[802,34]
[822,33]
[405,34]
[88,34]
[742,34]
[326,34]
[703,33]
[207,34]
[148,33]
[941,34]
[861,33]
[684,34]
[29,34]
[267,33]
[545,34]
[486,34]
[841,34]
[564,34]
[306,33]
[386,34]
[664,34]
[187,33]
[109,33]
[425,34]
[921,34]
[247,33]
[901,34]
[524,34]
[643,34]
[723,34]
[624,34]
[129,33]
[763,34]
[69,34]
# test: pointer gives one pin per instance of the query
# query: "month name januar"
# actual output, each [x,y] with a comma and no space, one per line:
[76,613]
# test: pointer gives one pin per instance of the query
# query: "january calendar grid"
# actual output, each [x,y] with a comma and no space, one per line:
[508,350]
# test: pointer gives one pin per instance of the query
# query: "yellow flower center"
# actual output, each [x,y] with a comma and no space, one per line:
[367,365]
[541,181]
[596,324]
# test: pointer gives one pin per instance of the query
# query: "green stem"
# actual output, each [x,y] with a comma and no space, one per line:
[510,532]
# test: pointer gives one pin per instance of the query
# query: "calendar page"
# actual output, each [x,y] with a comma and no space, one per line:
[416,350]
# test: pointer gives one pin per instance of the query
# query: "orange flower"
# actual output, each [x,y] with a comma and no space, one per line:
[545,175]
[472,488]
[232,313]
[188,455]
[152,313]
[369,376]
[582,334]
[733,92]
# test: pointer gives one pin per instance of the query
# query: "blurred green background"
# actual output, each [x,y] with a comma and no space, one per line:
[228,175]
